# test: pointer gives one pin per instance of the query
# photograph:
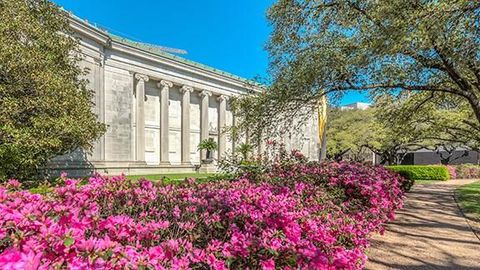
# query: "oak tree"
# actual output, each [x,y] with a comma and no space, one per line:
[333,46]
[45,107]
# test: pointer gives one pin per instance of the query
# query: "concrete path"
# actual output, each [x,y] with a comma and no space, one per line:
[429,233]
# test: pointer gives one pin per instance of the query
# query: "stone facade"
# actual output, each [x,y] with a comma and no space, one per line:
[157,108]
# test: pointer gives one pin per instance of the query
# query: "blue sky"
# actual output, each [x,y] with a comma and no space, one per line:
[228,35]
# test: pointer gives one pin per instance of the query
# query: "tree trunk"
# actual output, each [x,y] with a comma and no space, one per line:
[475,103]
[387,158]
[400,157]
[445,159]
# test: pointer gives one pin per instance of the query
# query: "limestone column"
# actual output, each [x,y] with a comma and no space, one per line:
[222,114]
[204,127]
[261,144]
[99,81]
[102,104]
[234,135]
[140,118]
[164,126]
[186,90]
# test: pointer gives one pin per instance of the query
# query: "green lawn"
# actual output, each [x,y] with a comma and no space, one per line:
[168,178]
[469,199]
[171,176]
[428,182]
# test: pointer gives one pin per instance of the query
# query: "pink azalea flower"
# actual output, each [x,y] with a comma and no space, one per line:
[268,264]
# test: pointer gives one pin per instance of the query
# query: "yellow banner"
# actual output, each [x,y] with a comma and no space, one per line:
[322,117]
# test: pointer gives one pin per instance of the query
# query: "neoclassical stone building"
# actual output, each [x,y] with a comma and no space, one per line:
[158,107]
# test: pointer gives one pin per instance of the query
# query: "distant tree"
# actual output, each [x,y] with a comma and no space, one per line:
[448,153]
[400,123]
[446,121]
[349,131]
[332,46]
[393,139]
[352,132]
[45,107]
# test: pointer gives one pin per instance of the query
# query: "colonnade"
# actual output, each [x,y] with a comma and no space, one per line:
[186,91]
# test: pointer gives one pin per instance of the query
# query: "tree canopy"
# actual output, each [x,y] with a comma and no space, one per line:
[349,131]
[440,123]
[354,131]
[399,123]
[332,46]
[45,107]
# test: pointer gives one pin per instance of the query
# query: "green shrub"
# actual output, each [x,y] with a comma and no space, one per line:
[422,172]
[45,105]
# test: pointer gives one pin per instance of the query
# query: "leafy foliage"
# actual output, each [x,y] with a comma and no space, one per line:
[349,131]
[399,123]
[445,121]
[396,136]
[208,144]
[376,129]
[45,108]
[333,46]
[422,172]
[244,149]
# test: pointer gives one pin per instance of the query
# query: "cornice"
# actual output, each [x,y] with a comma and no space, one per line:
[83,27]
[181,66]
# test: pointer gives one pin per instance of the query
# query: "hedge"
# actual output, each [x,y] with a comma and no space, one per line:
[422,172]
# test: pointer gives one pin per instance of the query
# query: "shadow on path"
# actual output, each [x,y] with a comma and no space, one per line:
[429,233]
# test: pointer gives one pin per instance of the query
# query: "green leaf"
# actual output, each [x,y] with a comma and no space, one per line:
[68,241]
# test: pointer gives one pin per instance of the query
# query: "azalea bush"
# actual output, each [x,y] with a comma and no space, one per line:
[296,215]
[465,171]
[370,193]
[452,171]
[273,155]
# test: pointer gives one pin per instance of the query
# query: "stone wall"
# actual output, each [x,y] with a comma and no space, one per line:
[169,102]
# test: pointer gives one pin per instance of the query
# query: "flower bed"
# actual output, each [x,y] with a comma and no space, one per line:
[320,222]
[464,171]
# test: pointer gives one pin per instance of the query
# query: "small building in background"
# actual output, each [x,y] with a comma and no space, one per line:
[429,157]
[356,106]
[432,157]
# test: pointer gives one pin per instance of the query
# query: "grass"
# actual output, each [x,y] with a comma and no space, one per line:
[171,176]
[428,182]
[469,199]
[168,178]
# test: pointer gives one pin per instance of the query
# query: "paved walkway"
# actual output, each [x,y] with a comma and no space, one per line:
[429,233]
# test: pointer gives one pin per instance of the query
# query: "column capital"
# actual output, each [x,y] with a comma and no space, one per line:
[186,88]
[165,83]
[205,93]
[223,98]
[141,77]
